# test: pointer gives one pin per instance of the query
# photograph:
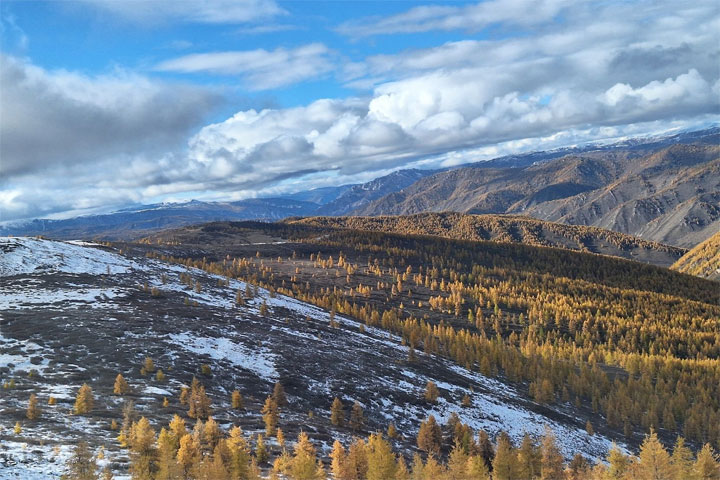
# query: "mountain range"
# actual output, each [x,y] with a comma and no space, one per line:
[661,189]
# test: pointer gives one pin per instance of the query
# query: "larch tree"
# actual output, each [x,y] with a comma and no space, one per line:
[270,414]
[337,413]
[357,417]
[338,462]
[552,464]
[381,460]
[304,464]
[477,469]
[654,461]
[187,454]
[504,465]
[198,401]
[33,409]
[431,392]
[279,395]
[529,458]
[84,401]
[167,466]
[429,437]
[82,464]
[707,466]
[121,386]
[142,449]
[236,400]
[681,459]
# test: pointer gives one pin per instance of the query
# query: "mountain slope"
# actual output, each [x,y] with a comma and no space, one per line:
[507,228]
[669,196]
[138,222]
[358,196]
[703,260]
[89,292]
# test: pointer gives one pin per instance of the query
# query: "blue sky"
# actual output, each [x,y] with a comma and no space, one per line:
[107,103]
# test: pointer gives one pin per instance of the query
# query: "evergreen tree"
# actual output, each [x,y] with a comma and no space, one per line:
[33,409]
[82,464]
[337,414]
[429,438]
[270,413]
[84,401]
[121,387]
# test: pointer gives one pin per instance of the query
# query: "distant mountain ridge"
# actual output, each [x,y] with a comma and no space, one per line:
[564,185]
[669,195]
[509,229]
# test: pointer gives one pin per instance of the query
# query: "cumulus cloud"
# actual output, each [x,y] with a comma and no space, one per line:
[261,69]
[64,117]
[614,70]
[201,11]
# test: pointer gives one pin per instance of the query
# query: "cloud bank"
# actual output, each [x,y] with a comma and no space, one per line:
[613,69]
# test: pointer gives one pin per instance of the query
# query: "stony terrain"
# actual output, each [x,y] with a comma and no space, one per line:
[74,313]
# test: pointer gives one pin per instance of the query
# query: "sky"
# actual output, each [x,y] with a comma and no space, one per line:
[110,103]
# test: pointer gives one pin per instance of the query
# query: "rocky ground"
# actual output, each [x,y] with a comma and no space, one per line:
[82,313]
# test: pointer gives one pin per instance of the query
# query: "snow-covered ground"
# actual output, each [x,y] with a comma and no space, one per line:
[293,343]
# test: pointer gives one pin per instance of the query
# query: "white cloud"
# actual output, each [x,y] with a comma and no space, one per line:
[198,11]
[61,117]
[71,141]
[466,17]
[261,69]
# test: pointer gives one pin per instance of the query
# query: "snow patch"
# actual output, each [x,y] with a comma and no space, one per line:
[259,361]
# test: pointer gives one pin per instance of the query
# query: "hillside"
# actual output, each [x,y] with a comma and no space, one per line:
[509,334]
[510,228]
[669,196]
[57,293]
[357,196]
[703,260]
